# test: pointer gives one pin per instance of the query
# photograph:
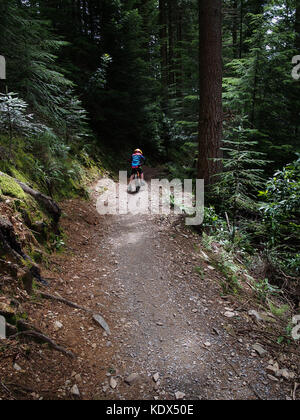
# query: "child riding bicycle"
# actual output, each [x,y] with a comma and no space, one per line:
[137,160]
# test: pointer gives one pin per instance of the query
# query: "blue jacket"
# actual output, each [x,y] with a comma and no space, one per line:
[137,160]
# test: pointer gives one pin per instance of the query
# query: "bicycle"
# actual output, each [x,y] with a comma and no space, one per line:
[137,180]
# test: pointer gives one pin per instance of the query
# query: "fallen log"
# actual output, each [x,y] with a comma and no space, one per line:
[47,202]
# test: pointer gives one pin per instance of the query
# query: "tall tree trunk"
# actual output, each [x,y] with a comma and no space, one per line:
[172,5]
[163,50]
[241,28]
[254,93]
[210,89]
[179,73]
[297,26]
[235,26]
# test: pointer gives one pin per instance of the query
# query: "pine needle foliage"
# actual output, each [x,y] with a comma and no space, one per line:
[242,176]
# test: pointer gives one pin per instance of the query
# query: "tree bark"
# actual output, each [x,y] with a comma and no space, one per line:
[163,50]
[172,5]
[210,89]
[235,26]
[297,26]
[241,28]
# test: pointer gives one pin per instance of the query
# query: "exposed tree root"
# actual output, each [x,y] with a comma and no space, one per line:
[66,302]
[43,338]
[11,245]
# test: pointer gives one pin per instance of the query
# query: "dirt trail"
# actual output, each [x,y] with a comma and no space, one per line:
[139,273]
[168,320]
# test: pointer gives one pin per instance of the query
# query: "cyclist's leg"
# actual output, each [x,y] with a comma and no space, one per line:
[133,172]
[142,176]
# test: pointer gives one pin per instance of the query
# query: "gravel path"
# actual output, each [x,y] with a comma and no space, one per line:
[170,336]
[169,320]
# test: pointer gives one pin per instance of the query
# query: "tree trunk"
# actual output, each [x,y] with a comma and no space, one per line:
[297,27]
[235,26]
[210,89]
[163,50]
[241,29]
[172,4]
[180,72]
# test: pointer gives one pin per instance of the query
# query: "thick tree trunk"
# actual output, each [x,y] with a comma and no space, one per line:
[211,113]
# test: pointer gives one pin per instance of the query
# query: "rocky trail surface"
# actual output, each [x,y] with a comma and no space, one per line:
[171,334]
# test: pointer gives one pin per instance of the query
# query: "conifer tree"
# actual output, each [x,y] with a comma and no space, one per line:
[242,177]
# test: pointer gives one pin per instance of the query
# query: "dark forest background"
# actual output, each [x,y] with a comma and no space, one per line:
[204,88]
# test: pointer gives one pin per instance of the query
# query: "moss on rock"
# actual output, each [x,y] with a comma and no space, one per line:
[10,188]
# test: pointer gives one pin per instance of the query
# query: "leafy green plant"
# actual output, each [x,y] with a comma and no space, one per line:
[14,119]
[278,311]
[281,217]
[264,289]
[236,187]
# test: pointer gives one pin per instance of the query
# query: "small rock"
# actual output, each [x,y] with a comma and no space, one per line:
[207,344]
[132,378]
[179,395]
[113,383]
[156,386]
[229,314]
[272,378]
[78,378]
[285,374]
[58,326]
[259,349]
[100,320]
[273,369]
[17,367]
[156,377]
[75,391]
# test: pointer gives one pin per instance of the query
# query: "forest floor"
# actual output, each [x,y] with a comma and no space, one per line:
[170,328]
